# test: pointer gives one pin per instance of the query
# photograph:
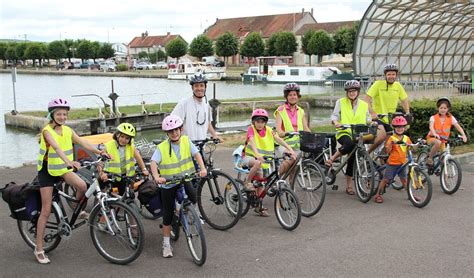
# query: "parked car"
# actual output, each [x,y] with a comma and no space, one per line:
[144,66]
[90,65]
[107,66]
[171,65]
[64,65]
[76,64]
[161,65]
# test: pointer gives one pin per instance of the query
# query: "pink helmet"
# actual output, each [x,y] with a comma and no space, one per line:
[399,121]
[260,113]
[171,122]
[58,103]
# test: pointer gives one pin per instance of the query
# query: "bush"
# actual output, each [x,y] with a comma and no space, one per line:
[122,67]
[462,110]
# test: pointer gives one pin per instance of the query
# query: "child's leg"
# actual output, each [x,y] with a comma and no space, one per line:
[332,158]
[255,166]
[435,144]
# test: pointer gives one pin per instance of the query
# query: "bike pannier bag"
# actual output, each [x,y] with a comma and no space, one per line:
[24,200]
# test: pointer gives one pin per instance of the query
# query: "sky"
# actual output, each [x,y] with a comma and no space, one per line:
[122,20]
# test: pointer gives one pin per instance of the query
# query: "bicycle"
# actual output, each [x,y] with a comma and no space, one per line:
[308,181]
[444,165]
[419,186]
[364,169]
[286,202]
[109,219]
[220,202]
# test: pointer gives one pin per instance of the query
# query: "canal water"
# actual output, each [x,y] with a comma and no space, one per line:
[33,92]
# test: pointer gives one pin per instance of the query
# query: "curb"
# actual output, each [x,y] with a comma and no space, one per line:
[464,158]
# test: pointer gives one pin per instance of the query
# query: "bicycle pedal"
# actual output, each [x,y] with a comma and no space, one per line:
[335,187]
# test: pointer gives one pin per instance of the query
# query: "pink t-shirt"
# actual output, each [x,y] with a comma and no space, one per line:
[292,115]
[250,133]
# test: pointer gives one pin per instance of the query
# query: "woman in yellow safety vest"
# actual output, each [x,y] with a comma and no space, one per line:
[173,157]
[348,110]
[123,156]
[260,143]
[55,161]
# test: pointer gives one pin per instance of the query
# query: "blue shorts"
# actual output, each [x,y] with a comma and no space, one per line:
[393,170]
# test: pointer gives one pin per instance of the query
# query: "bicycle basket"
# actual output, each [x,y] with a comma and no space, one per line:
[145,148]
[312,142]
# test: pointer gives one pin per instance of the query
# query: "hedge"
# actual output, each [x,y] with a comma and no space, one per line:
[423,109]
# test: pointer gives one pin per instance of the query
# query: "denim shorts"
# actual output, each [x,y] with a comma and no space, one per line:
[393,170]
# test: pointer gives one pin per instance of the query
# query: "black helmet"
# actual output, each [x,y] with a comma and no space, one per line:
[443,99]
[352,84]
[390,67]
[197,78]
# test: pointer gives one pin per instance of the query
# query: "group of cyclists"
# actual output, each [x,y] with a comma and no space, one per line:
[191,120]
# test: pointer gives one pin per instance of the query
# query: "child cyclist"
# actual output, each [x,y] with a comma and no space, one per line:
[397,156]
[260,143]
[123,156]
[173,157]
[55,161]
[440,128]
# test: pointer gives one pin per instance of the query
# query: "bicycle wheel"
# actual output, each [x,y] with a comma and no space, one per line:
[420,188]
[309,186]
[122,242]
[219,201]
[194,235]
[364,175]
[450,176]
[244,196]
[421,158]
[287,208]
[51,234]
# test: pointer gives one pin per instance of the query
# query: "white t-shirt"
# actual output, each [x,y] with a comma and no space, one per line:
[453,120]
[196,116]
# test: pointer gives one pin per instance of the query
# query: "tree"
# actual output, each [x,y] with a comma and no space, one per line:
[34,51]
[305,41]
[70,45]
[143,55]
[285,44]
[10,53]
[343,42]
[57,50]
[270,46]
[159,55]
[3,50]
[176,48]
[84,50]
[20,49]
[253,46]
[201,46]
[96,50]
[106,51]
[320,44]
[227,45]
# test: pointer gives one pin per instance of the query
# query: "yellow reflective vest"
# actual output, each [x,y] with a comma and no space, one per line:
[349,117]
[265,145]
[56,166]
[113,165]
[170,165]
[293,141]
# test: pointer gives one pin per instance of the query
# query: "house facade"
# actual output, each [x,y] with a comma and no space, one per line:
[149,44]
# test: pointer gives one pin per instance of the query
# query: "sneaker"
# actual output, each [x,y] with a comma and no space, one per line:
[83,215]
[167,251]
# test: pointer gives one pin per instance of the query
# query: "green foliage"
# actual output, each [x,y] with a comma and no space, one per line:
[106,51]
[84,50]
[96,50]
[227,45]
[201,46]
[20,49]
[253,45]
[343,41]
[142,55]
[282,44]
[159,55]
[270,49]
[3,50]
[70,45]
[320,44]
[176,48]
[423,109]
[34,51]
[122,67]
[10,53]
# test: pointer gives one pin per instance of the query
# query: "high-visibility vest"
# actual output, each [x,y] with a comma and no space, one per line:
[293,141]
[113,166]
[170,165]
[442,129]
[348,116]
[56,166]
[265,145]
[403,148]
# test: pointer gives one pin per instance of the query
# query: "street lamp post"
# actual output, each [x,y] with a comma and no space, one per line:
[72,49]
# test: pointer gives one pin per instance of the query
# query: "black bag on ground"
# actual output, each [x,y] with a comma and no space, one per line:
[24,200]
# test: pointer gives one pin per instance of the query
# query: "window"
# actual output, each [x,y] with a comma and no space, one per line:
[310,72]
[254,70]
[281,72]
[294,72]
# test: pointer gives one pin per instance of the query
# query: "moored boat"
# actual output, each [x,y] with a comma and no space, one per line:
[185,69]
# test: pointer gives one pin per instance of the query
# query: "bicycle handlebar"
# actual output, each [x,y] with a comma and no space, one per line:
[201,143]
[182,179]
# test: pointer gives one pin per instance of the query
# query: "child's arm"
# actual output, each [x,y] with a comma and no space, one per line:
[140,162]
[433,132]
[154,173]
[284,144]
[460,130]
[389,145]
[84,143]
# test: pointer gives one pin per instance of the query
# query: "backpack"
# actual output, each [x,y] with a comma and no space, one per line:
[24,200]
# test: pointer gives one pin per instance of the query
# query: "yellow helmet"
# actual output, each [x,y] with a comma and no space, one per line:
[127,129]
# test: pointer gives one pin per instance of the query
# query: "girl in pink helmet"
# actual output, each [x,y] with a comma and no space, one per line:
[260,143]
[55,161]
[173,157]
[397,156]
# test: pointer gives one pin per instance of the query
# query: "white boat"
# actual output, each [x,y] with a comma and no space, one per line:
[276,69]
[186,69]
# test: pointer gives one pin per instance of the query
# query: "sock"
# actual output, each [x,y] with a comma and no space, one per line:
[166,240]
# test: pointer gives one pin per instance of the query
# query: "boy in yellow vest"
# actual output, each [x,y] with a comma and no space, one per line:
[55,161]
[123,156]
[397,156]
[260,143]
[173,157]
[348,110]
